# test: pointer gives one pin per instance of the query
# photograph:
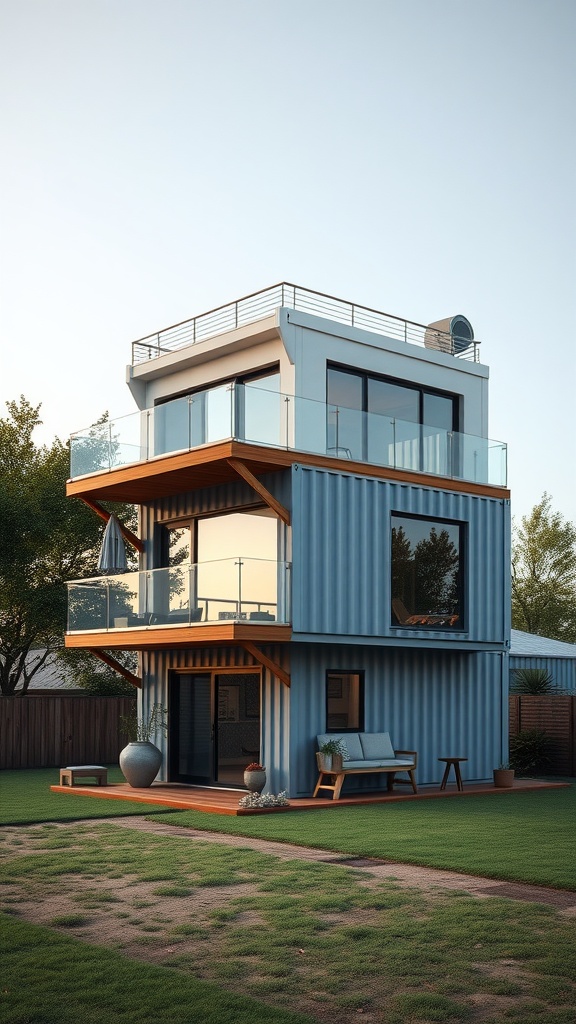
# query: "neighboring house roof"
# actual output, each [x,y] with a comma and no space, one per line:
[51,676]
[532,646]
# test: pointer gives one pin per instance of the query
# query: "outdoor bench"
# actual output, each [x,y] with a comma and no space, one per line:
[70,775]
[366,752]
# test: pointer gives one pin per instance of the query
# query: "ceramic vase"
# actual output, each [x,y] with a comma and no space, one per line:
[255,781]
[139,763]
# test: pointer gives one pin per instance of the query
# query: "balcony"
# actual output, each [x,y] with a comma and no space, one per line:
[253,592]
[271,420]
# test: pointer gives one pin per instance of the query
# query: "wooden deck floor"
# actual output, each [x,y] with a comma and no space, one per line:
[225,801]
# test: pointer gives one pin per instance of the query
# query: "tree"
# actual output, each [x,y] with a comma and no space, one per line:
[45,540]
[544,574]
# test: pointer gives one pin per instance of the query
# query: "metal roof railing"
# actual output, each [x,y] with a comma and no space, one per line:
[261,304]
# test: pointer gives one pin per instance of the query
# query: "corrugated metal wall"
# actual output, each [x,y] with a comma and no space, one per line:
[562,670]
[232,496]
[341,554]
[440,703]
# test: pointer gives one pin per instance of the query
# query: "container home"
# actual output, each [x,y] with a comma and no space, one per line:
[324,540]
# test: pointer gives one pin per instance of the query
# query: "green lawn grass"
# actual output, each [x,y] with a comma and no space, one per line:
[289,937]
[50,978]
[25,798]
[518,836]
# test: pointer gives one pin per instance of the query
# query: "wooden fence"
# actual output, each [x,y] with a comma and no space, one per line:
[55,731]
[556,716]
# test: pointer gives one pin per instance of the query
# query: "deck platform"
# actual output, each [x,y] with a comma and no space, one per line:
[225,801]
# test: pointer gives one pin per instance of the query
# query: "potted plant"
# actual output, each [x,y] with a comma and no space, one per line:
[140,760]
[331,754]
[504,776]
[255,777]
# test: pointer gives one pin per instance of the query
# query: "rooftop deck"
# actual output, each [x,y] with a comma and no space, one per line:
[258,305]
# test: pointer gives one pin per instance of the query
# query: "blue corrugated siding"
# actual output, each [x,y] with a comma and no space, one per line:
[562,670]
[341,555]
[440,703]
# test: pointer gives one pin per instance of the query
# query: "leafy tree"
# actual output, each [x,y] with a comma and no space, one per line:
[45,540]
[97,679]
[544,574]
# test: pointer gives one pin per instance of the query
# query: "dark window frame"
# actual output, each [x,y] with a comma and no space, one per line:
[361,699]
[421,389]
[460,624]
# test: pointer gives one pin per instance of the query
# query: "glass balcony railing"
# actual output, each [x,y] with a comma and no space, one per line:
[245,589]
[244,412]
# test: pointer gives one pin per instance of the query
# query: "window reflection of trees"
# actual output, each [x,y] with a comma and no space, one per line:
[426,571]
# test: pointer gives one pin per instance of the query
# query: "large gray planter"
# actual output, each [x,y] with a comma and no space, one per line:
[140,762]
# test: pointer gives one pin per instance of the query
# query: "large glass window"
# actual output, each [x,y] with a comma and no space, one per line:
[237,555]
[426,561]
[344,701]
[389,423]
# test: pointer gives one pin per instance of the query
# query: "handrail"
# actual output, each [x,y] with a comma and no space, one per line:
[257,305]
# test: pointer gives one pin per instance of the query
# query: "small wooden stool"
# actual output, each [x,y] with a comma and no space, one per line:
[68,776]
[455,762]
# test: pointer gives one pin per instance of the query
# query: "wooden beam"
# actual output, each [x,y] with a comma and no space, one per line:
[112,663]
[268,663]
[271,501]
[105,515]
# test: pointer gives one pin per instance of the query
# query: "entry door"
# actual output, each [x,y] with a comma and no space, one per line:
[214,727]
[192,729]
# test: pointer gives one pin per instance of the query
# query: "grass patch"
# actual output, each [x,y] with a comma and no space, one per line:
[314,938]
[49,978]
[25,798]
[523,836]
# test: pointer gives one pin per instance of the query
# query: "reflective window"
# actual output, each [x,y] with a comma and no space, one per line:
[344,701]
[389,423]
[426,561]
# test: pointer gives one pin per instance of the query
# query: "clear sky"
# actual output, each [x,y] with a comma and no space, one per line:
[162,157]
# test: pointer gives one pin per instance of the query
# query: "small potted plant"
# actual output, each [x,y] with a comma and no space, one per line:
[504,776]
[140,760]
[331,754]
[255,777]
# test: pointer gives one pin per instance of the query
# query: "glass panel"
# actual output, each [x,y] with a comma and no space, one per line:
[219,421]
[193,723]
[179,544]
[172,426]
[238,740]
[426,573]
[264,412]
[344,414]
[343,701]
[393,400]
[439,411]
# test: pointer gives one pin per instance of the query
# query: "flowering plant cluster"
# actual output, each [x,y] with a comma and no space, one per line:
[254,767]
[265,800]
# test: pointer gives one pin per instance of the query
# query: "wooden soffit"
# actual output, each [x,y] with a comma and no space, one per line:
[214,464]
[152,638]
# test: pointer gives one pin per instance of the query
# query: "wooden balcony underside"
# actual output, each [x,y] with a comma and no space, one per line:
[157,637]
[210,465]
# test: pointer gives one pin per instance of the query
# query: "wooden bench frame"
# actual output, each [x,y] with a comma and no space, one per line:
[69,776]
[337,776]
